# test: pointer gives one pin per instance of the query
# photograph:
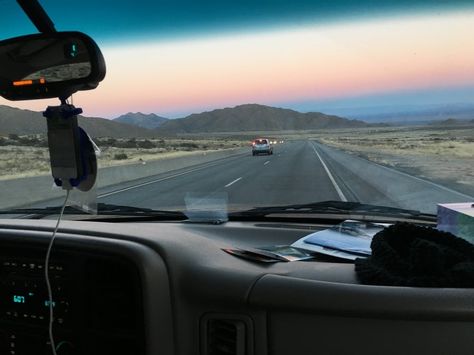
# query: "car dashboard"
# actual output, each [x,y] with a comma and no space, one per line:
[169,288]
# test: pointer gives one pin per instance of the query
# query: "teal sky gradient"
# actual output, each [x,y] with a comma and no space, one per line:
[119,20]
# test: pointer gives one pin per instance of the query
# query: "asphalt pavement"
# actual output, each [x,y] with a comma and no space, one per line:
[298,172]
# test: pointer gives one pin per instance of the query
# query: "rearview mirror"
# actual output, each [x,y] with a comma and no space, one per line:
[49,65]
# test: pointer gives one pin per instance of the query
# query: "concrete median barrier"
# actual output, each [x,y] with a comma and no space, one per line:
[24,191]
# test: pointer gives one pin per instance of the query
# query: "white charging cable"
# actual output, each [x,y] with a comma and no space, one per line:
[46,275]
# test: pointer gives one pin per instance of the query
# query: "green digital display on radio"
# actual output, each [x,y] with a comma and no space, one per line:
[18,299]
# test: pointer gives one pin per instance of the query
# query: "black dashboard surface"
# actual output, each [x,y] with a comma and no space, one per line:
[177,281]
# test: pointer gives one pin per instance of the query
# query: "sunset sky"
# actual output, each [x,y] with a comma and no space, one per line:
[390,58]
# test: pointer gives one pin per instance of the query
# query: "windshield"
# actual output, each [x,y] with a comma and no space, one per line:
[250,104]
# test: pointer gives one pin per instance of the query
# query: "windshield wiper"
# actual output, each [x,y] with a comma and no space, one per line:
[354,210]
[102,209]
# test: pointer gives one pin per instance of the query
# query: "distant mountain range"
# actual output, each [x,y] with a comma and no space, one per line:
[254,117]
[243,118]
[409,114]
[149,121]
[453,122]
[14,120]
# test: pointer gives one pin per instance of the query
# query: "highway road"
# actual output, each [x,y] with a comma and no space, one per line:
[298,172]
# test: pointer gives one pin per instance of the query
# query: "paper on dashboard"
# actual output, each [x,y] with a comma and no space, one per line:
[348,240]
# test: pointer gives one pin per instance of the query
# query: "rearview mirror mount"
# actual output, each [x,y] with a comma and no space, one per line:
[48,65]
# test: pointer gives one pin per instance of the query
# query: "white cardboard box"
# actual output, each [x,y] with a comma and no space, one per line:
[458,219]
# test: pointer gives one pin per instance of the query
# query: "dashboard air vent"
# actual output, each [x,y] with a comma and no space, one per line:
[226,336]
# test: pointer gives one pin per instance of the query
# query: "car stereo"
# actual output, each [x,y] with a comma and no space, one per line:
[97,303]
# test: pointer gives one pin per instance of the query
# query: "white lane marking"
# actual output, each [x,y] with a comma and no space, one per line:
[336,186]
[417,178]
[422,180]
[233,182]
[155,181]
[268,161]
